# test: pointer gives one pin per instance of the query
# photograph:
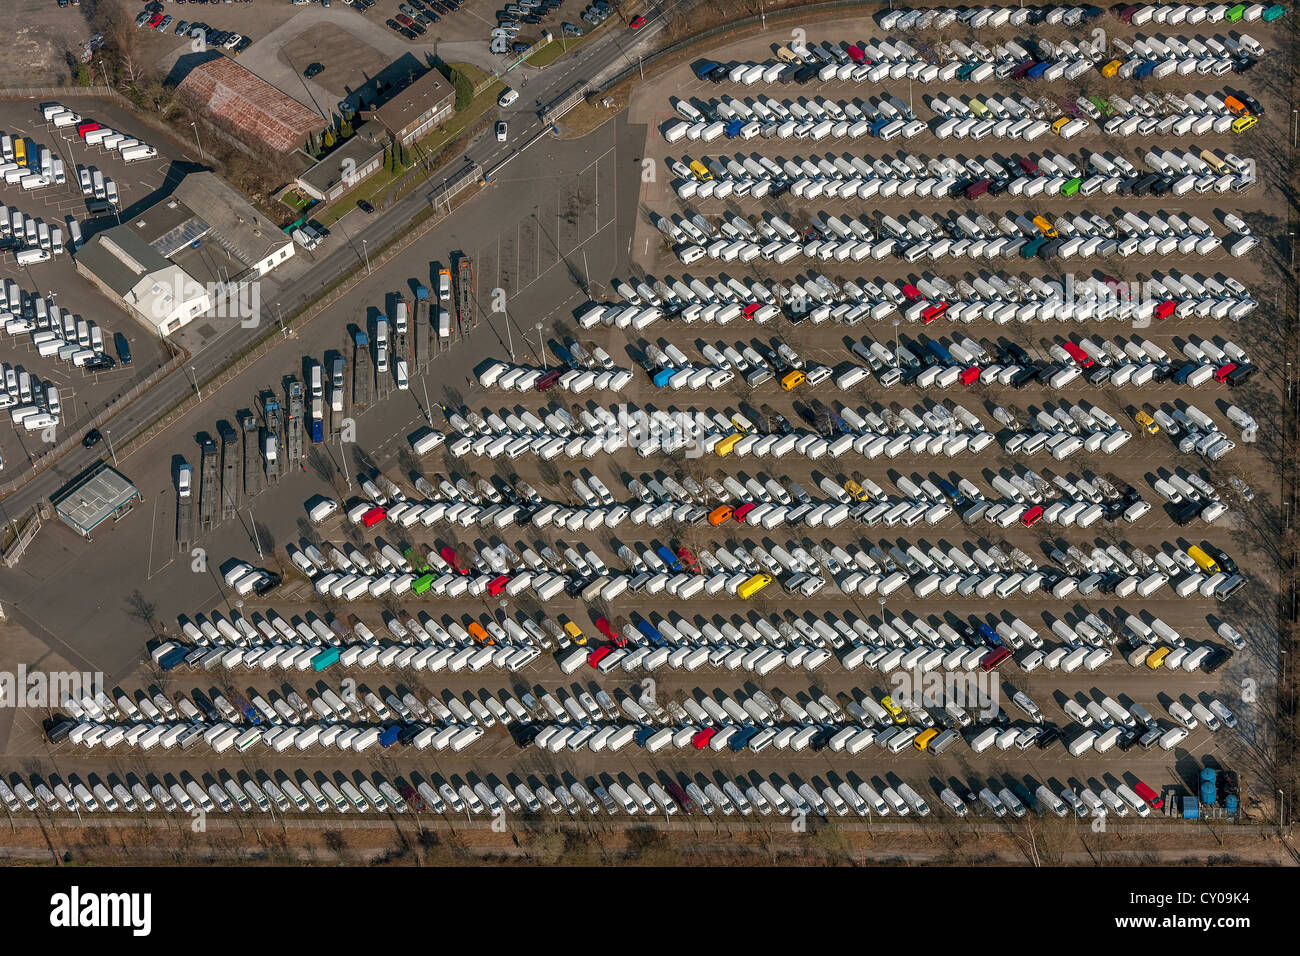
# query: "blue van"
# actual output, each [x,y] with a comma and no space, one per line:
[950,491]
[666,555]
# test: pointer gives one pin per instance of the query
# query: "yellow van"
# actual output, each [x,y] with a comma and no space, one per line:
[1147,423]
[1045,227]
[894,710]
[979,109]
[1060,125]
[723,448]
[477,631]
[1243,123]
[922,742]
[755,584]
[855,490]
[1111,68]
[701,171]
[575,633]
[1203,560]
[1157,658]
[792,380]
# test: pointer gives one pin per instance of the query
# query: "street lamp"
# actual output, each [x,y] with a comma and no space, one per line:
[541,345]
[280,318]
[195,376]
[365,252]
[196,141]
[108,437]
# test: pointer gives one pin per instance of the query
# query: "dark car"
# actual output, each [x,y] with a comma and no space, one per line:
[1050,734]
[93,438]
[315,69]
[519,46]
[1226,564]
[365,206]
[269,583]
[1251,103]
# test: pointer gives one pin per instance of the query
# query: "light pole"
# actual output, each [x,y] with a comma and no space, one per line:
[280,318]
[195,127]
[428,409]
[108,437]
[365,252]
[195,377]
[257,541]
[541,346]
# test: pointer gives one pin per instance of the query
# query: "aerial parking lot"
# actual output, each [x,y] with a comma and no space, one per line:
[881,421]
[82,187]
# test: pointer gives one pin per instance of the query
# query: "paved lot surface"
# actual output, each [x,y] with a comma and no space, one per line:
[528,236]
[139,184]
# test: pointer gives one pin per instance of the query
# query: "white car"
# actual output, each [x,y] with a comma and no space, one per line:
[501,131]
[689,254]
[507,97]
[1232,636]
[1222,712]
[1075,711]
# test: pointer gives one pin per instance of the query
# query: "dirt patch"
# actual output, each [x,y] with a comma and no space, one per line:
[37,43]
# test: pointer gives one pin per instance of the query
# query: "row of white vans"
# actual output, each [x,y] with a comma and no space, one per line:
[95,185]
[31,231]
[24,162]
[32,404]
[1202,436]
[61,334]
[834,171]
[989,16]
[128,147]
[997,297]
[1152,234]
[763,797]
[264,795]
[220,737]
[937,177]
[1004,119]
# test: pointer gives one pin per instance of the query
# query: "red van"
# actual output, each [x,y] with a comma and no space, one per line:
[373,516]
[1078,354]
[1165,309]
[87,127]
[599,654]
[856,54]
[993,658]
[969,376]
[912,292]
[1150,796]
[603,625]
[548,380]
[701,739]
[740,513]
[449,555]
[1223,371]
[498,584]
[930,313]
[1030,517]
[977,189]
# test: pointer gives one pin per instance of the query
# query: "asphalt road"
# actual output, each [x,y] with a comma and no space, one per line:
[613,50]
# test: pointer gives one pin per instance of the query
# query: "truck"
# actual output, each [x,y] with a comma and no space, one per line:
[317,418]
